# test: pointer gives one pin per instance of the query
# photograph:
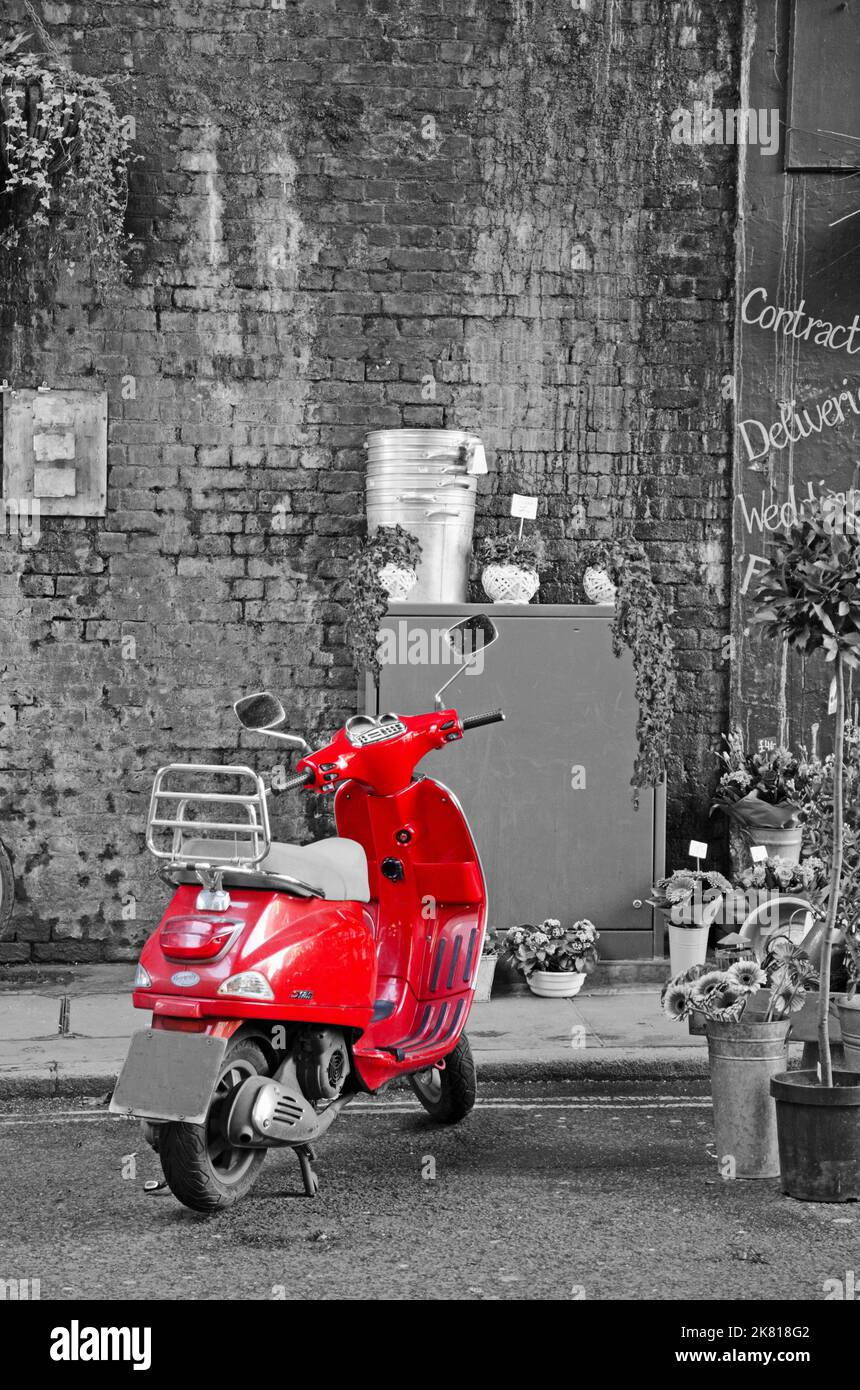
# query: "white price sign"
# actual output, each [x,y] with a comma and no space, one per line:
[524,506]
[698,849]
[758,853]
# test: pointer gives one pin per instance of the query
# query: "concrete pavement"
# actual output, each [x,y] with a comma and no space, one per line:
[608,1032]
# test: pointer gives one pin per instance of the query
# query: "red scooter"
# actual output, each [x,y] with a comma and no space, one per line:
[284,980]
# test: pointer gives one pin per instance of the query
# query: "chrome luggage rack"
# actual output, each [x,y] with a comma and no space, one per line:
[201,850]
[167,835]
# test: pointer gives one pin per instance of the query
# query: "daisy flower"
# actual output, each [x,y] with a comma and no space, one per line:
[678,1001]
[747,973]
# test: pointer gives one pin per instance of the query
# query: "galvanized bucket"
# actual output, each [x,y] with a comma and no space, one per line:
[744,1058]
[417,479]
[849,1020]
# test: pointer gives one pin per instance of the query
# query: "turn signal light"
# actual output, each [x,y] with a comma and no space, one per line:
[249,985]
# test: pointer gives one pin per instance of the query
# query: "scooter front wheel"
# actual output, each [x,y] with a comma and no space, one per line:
[200,1166]
[448,1093]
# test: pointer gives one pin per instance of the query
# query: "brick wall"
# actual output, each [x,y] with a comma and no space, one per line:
[355,215]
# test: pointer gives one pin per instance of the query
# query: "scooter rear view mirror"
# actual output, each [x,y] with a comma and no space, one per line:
[471,635]
[467,639]
[263,713]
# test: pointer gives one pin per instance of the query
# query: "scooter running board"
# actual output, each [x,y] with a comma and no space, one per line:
[432,1032]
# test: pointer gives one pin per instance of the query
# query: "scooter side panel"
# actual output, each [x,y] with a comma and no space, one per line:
[431,921]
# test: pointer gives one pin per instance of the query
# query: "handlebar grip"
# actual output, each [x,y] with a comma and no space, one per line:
[476,721]
[300,780]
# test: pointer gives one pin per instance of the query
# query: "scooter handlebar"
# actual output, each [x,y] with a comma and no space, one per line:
[301,779]
[476,721]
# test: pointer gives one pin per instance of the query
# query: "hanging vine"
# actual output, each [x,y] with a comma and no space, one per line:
[64,159]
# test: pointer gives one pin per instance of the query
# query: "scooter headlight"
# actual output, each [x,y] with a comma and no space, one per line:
[141,978]
[249,985]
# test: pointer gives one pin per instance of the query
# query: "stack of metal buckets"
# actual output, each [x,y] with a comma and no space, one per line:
[426,482]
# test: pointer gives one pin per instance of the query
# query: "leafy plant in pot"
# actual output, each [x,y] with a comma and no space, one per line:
[809,596]
[554,959]
[747,1009]
[379,573]
[511,564]
[487,967]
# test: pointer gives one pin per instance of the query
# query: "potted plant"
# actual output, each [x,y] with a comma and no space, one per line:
[554,959]
[762,792]
[383,570]
[510,564]
[747,1009]
[692,900]
[64,160]
[641,625]
[809,596]
[487,967]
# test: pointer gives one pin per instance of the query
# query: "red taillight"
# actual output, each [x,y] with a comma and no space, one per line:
[197,938]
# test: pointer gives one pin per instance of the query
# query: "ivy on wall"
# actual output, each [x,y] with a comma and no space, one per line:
[64,159]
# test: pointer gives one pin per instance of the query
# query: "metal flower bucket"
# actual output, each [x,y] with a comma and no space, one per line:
[744,1058]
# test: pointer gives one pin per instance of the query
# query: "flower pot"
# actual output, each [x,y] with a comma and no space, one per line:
[398,581]
[849,1021]
[484,982]
[819,1135]
[785,843]
[687,946]
[597,585]
[556,984]
[510,583]
[744,1057]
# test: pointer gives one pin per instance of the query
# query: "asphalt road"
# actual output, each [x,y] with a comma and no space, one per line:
[539,1194]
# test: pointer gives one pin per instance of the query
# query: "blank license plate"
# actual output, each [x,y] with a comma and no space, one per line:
[169,1076]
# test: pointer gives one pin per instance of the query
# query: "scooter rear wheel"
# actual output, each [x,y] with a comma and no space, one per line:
[448,1093]
[201,1168]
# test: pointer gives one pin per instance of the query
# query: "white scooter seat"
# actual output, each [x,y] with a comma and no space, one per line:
[335,867]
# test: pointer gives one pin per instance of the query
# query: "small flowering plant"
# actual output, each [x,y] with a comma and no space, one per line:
[550,946]
[776,874]
[691,897]
[722,995]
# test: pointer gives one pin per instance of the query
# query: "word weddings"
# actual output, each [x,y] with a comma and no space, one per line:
[840,511]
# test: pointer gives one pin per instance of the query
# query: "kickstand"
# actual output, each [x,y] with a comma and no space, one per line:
[306,1156]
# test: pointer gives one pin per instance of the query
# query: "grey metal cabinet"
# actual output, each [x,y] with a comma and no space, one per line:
[548,792]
